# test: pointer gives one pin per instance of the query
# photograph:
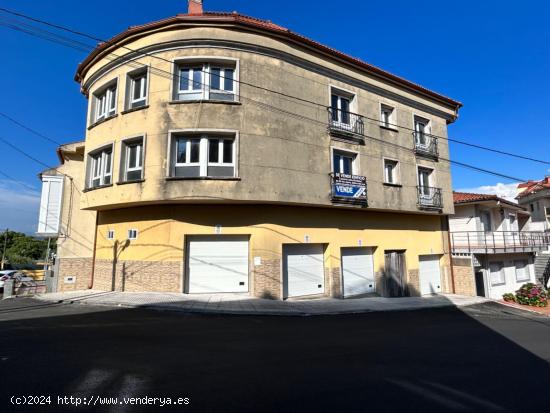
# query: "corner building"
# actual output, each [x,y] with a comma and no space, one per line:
[228,154]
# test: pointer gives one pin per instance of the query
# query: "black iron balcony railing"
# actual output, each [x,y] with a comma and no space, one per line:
[348,189]
[425,144]
[344,122]
[499,241]
[429,197]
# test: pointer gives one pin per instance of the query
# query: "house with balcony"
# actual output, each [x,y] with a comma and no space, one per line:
[493,252]
[204,171]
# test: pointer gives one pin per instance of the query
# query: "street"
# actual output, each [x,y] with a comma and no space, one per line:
[480,358]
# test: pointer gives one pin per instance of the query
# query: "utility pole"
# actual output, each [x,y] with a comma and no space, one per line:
[4,249]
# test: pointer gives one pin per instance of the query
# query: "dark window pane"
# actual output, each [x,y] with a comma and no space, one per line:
[195,147]
[347,165]
[184,79]
[132,156]
[213,150]
[137,88]
[113,99]
[336,162]
[107,162]
[228,85]
[227,151]
[215,79]
[344,113]
[197,79]
[181,150]
[334,106]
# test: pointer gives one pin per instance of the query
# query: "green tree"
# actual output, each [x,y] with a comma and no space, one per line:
[23,249]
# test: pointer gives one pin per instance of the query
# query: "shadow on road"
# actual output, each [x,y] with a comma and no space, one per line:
[433,360]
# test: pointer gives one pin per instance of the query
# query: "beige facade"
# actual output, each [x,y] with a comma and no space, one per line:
[279,189]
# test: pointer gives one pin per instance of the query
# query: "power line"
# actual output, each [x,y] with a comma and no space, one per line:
[28,129]
[293,114]
[86,35]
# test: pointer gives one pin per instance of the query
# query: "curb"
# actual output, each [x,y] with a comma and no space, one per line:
[291,313]
[523,308]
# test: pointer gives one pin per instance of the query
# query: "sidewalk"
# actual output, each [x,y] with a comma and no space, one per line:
[244,304]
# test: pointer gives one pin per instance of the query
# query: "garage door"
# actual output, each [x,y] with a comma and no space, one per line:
[357,271]
[218,266]
[430,276]
[303,270]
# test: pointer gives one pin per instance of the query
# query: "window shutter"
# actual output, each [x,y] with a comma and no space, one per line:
[50,205]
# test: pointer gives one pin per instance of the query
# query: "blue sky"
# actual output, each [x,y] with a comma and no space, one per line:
[493,56]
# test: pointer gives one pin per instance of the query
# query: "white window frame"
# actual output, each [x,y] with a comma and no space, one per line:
[345,152]
[390,123]
[345,94]
[525,269]
[431,177]
[221,140]
[139,156]
[144,87]
[396,171]
[203,135]
[102,97]
[105,169]
[205,64]
[111,234]
[502,279]
[418,119]
[131,235]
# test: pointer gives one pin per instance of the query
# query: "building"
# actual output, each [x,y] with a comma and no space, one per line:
[535,196]
[493,253]
[224,153]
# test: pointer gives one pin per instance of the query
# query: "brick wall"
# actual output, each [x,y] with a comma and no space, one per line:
[268,279]
[81,268]
[138,276]
[464,276]
[413,283]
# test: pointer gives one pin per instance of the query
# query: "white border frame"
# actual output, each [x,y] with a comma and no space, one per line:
[356,167]
[398,171]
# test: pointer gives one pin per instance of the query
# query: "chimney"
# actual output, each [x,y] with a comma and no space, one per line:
[195,7]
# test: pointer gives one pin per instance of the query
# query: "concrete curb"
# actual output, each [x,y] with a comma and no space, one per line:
[257,312]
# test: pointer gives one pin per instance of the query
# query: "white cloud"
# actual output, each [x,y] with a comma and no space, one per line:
[506,191]
[19,206]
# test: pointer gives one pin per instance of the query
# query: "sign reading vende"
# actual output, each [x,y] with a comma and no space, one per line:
[349,187]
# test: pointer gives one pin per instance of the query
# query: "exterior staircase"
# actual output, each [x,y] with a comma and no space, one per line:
[542,268]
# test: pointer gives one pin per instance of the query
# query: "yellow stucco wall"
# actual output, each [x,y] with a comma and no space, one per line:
[162,232]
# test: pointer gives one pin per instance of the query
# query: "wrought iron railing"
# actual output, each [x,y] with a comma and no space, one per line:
[425,144]
[345,122]
[429,197]
[504,241]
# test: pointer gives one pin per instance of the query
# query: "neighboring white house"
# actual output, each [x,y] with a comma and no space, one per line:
[493,253]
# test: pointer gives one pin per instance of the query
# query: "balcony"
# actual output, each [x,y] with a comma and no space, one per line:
[348,189]
[497,242]
[346,124]
[429,198]
[425,145]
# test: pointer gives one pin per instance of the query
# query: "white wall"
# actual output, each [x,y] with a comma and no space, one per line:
[511,285]
[464,218]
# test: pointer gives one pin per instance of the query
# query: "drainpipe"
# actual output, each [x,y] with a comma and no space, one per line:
[450,254]
[91,284]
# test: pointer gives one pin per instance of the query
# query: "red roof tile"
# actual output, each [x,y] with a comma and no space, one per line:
[533,186]
[223,17]
[468,197]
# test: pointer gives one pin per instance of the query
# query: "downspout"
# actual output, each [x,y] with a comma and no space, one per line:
[450,255]
[91,284]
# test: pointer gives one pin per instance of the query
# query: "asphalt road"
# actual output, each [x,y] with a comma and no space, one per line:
[485,358]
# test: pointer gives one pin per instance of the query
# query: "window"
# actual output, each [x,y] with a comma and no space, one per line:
[496,270]
[424,180]
[110,234]
[387,116]
[209,81]
[136,93]
[342,162]
[522,271]
[390,171]
[421,129]
[100,168]
[532,207]
[203,156]
[104,102]
[132,160]
[340,107]
[132,234]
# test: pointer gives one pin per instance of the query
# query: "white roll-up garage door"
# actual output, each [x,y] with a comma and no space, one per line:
[303,270]
[357,271]
[217,265]
[430,275]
